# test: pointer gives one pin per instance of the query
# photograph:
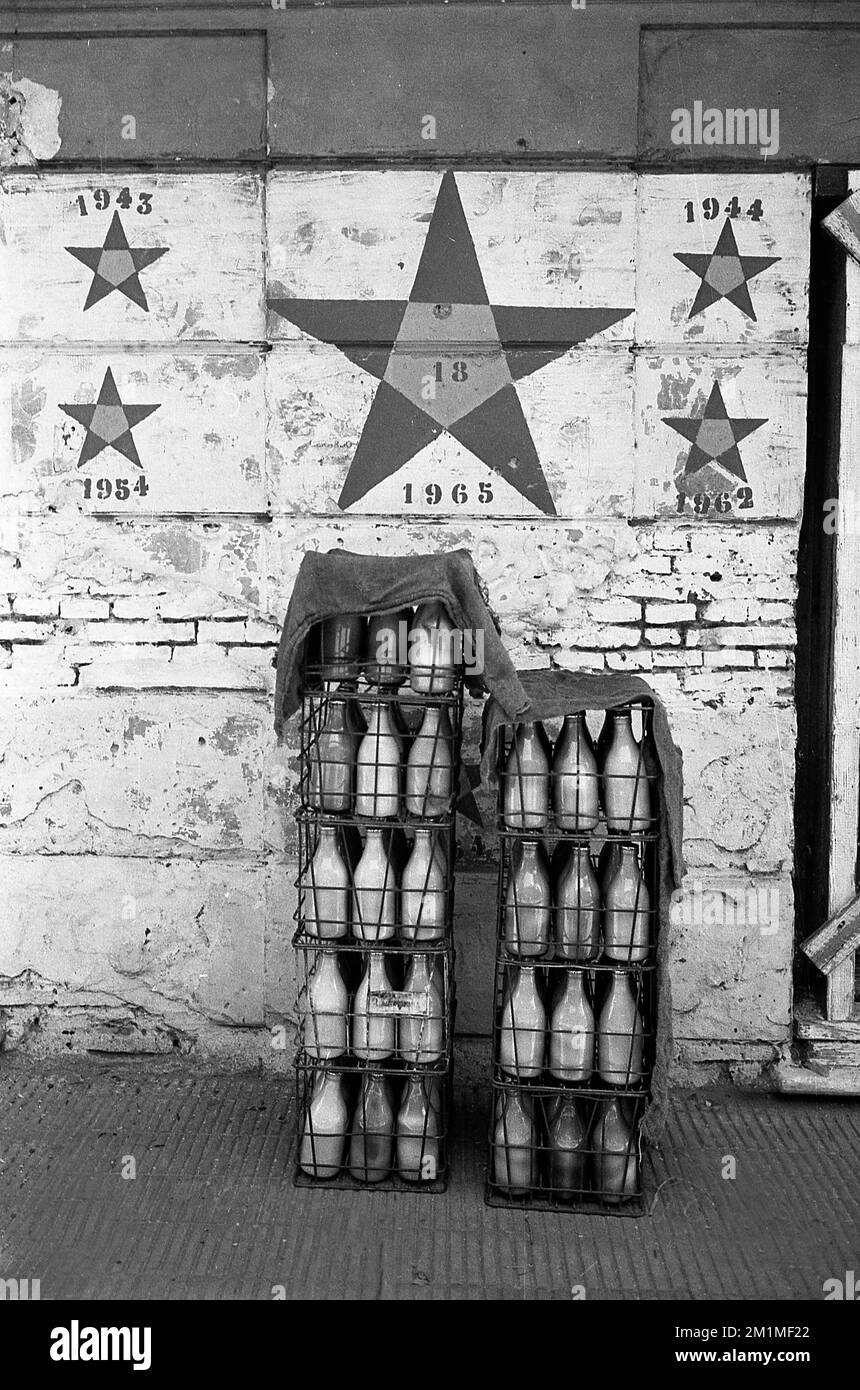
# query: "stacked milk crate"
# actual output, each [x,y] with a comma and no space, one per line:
[575,1000]
[380,763]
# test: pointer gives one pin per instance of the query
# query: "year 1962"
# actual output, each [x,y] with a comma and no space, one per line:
[721,502]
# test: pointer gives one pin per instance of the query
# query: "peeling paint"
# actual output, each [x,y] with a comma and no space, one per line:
[29,122]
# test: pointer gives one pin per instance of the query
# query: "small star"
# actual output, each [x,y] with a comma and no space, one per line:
[116,265]
[715,436]
[725,273]
[109,423]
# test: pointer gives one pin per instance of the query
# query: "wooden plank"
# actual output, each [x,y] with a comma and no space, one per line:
[844,224]
[197,431]
[837,940]
[723,258]
[196,257]
[852,282]
[189,95]
[807,73]
[521,82]
[845,747]
[761,399]
[812,1026]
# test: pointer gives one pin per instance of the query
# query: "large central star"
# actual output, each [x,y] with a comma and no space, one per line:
[116,265]
[446,360]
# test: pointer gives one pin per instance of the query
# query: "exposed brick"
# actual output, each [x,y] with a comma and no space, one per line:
[657,564]
[35,606]
[640,659]
[139,668]
[262,633]
[221,631]
[614,610]
[728,657]
[661,614]
[581,661]
[136,607]
[144,632]
[84,609]
[727,610]
[754,635]
[662,636]
[673,540]
[22,631]
[769,659]
[678,658]
[36,667]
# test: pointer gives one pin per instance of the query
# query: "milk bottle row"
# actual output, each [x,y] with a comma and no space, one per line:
[564,1148]
[378,1023]
[576,781]
[374,900]
[560,908]
[374,769]
[563,1037]
[379,1133]
[421,648]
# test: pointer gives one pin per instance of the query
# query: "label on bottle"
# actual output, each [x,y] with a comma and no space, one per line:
[390,1003]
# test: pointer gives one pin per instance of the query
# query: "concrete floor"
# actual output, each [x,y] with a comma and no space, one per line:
[212,1212]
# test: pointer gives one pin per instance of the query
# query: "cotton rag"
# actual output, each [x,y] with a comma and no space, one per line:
[341,582]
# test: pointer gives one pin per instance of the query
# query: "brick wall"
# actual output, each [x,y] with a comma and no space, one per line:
[145,810]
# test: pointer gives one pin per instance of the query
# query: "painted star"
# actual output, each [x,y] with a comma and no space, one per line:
[116,265]
[109,423]
[725,273]
[715,436]
[446,386]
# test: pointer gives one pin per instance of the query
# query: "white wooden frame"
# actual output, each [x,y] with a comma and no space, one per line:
[845,731]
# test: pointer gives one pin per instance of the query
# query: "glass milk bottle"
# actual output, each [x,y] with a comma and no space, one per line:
[326,890]
[567,1141]
[523,1025]
[571,1030]
[373,1026]
[527,900]
[526,784]
[418,1147]
[341,642]
[387,648]
[377,774]
[374,891]
[626,793]
[620,1034]
[430,766]
[615,1157]
[328,1005]
[431,650]
[422,890]
[420,1032]
[577,908]
[371,1151]
[626,919]
[325,1128]
[332,760]
[514,1144]
[575,782]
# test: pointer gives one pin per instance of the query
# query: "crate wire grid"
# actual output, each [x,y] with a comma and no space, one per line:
[328,797]
[587,827]
[378,1165]
[396,1024]
[351,925]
